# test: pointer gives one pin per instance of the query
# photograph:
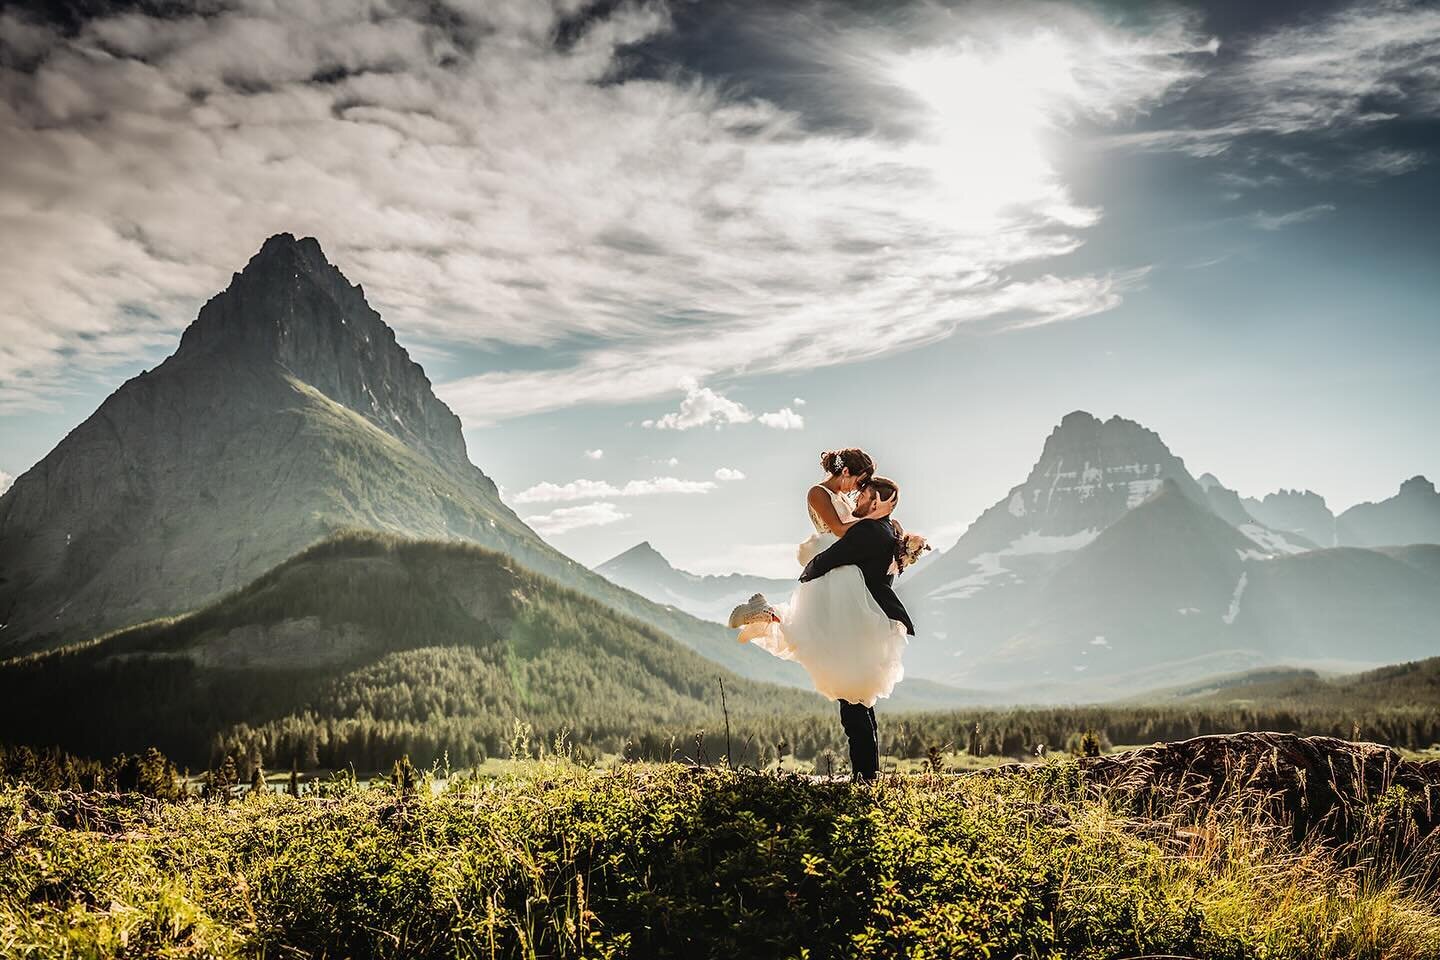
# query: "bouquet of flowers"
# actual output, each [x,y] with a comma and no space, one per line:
[912,546]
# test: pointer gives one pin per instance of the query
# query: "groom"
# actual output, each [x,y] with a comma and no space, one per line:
[869,545]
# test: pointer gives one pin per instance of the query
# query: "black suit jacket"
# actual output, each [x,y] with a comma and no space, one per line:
[869,545]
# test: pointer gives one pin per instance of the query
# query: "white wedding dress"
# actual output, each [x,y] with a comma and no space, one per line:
[833,628]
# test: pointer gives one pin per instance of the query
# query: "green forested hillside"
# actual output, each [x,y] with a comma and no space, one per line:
[368,646]
[1413,684]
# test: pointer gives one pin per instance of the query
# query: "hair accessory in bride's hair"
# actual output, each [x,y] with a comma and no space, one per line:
[856,460]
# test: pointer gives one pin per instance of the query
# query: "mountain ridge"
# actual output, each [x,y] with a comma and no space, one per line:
[365,637]
[1001,589]
[647,572]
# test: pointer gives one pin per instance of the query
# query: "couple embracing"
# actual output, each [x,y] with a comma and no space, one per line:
[844,624]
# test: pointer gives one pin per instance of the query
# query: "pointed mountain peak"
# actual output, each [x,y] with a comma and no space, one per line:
[1078,419]
[1417,485]
[640,555]
[1084,455]
[284,252]
[1080,427]
[1170,508]
[291,306]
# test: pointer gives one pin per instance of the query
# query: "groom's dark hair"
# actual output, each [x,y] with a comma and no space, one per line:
[885,488]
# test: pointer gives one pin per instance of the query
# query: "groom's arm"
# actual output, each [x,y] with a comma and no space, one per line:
[859,542]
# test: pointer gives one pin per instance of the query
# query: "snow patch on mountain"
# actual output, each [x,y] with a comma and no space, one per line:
[1271,540]
[988,565]
[1234,610]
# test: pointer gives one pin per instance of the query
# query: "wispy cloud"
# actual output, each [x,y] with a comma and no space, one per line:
[729,473]
[594,454]
[6,480]
[488,184]
[596,489]
[1364,65]
[1279,221]
[566,519]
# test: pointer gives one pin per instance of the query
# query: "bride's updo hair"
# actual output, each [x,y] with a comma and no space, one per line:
[857,460]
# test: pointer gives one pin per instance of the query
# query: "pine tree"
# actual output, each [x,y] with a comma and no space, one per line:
[294,789]
[257,779]
[219,781]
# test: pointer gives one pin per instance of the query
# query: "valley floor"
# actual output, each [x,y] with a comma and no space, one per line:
[551,859]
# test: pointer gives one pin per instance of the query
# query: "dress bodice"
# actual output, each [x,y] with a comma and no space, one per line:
[841,508]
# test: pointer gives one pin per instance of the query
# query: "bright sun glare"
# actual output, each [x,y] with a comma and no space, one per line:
[988,110]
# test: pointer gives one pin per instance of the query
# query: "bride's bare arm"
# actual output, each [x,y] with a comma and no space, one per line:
[824,508]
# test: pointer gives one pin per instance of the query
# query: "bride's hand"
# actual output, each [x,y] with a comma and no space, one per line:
[883,509]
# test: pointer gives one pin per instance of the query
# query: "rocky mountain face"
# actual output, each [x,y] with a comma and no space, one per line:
[1411,516]
[1296,511]
[1077,585]
[644,570]
[288,412]
[290,307]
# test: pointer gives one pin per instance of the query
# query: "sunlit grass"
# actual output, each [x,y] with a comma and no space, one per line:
[550,858]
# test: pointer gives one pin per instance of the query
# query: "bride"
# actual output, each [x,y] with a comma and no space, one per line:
[832,625]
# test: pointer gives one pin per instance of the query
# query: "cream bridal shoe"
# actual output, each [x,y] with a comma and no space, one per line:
[755,610]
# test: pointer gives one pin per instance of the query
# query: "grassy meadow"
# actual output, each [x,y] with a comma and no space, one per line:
[552,858]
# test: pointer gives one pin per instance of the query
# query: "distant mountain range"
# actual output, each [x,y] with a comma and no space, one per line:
[643,570]
[1111,569]
[1411,516]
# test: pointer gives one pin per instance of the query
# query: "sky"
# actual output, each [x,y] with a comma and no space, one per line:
[658,256]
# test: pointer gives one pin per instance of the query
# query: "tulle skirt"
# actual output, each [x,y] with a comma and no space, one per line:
[833,628]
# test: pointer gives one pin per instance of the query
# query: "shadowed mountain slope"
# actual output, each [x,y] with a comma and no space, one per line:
[366,646]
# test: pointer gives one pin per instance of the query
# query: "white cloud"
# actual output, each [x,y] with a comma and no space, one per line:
[1279,221]
[487,184]
[594,454]
[783,419]
[5,481]
[641,488]
[701,407]
[565,519]
[547,492]
[729,473]
[798,402]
